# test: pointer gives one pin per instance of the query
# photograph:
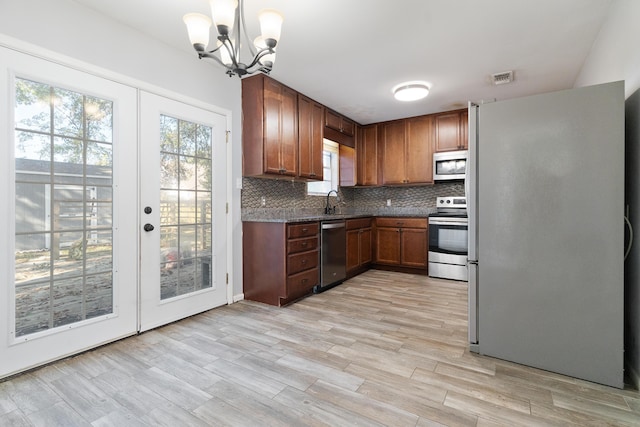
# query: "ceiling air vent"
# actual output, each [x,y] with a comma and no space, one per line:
[502,78]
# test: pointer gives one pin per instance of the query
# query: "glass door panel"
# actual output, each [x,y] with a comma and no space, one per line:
[71,141]
[185,151]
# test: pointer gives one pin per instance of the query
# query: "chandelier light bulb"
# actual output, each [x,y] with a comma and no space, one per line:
[270,25]
[224,15]
[198,27]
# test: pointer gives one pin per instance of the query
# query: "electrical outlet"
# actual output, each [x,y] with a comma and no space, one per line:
[388,202]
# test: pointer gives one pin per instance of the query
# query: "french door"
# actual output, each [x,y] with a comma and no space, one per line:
[68,255]
[112,214]
[183,210]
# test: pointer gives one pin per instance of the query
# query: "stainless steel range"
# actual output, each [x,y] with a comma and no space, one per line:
[448,234]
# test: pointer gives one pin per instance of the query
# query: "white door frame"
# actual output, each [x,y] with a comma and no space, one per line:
[155,311]
[6,252]
[26,351]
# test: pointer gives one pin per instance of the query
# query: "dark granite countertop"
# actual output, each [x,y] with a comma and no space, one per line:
[300,215]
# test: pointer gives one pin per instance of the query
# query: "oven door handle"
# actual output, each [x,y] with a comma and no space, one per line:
[448,221]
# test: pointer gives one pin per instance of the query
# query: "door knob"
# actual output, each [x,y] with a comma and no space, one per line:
[147,210]
[148,227]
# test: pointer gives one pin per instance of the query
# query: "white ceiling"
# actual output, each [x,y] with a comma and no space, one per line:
[348,54]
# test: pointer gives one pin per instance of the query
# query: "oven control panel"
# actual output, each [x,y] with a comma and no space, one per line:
[451,202]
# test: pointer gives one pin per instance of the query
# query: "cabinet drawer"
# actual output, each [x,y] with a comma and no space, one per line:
[402,222]
[302,261]
[302,230]
[301,245]
[301,283]
[358,223]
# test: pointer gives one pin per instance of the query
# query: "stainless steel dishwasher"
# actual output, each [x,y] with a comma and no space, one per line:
[333,255]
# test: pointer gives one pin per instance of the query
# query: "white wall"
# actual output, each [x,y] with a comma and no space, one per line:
[614,56]
[68,28]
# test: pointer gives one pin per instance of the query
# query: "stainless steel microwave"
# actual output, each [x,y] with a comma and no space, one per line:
[449,165]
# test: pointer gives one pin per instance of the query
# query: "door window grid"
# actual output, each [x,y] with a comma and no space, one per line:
[63,158]
[185,207]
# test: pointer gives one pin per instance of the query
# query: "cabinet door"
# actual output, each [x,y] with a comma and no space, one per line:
[419,150]
[464,130]
[348,127]
[332,120]
[280,129]
[310,127]
[365,246]
[393,157]
[388,245]
[289,141]
[347,159]
[353,249]
[368,156]
[413,247]
[447,131]
[272,126]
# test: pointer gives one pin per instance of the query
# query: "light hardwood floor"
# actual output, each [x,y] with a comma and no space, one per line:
[381,349]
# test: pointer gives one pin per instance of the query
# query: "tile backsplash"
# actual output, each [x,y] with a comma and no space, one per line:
[286,194]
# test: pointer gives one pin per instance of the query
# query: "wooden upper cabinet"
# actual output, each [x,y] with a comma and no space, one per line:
[464,130]
[339,128]
[310,134]
[338,122]
[270,127]
[348,126]
[392,149]
[419,150]
[451,131]
[332,120]
[367,149]
[347,159]
[407,151]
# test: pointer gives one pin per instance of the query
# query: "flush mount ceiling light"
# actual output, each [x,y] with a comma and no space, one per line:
[410,91]
[228,14]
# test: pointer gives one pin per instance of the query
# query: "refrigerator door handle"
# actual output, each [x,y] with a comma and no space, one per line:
[471,182]
[471,191]
[473,305]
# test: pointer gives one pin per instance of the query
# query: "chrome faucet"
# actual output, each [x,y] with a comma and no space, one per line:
[328,209]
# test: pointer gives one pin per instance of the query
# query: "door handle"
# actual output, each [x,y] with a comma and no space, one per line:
[148,227]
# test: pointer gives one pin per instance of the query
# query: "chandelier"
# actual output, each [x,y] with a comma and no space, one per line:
[228,14]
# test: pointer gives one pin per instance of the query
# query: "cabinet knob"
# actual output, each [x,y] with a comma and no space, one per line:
[304,230]
[304,261]
[304,243]
[303,281]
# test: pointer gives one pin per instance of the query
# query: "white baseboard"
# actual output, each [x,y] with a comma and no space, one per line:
[238,297]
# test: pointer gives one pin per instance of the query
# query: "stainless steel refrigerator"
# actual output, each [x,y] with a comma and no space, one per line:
[545,195]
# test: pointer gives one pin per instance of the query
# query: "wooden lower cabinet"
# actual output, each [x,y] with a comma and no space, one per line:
[358,245]
[280,261]
[402,243]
